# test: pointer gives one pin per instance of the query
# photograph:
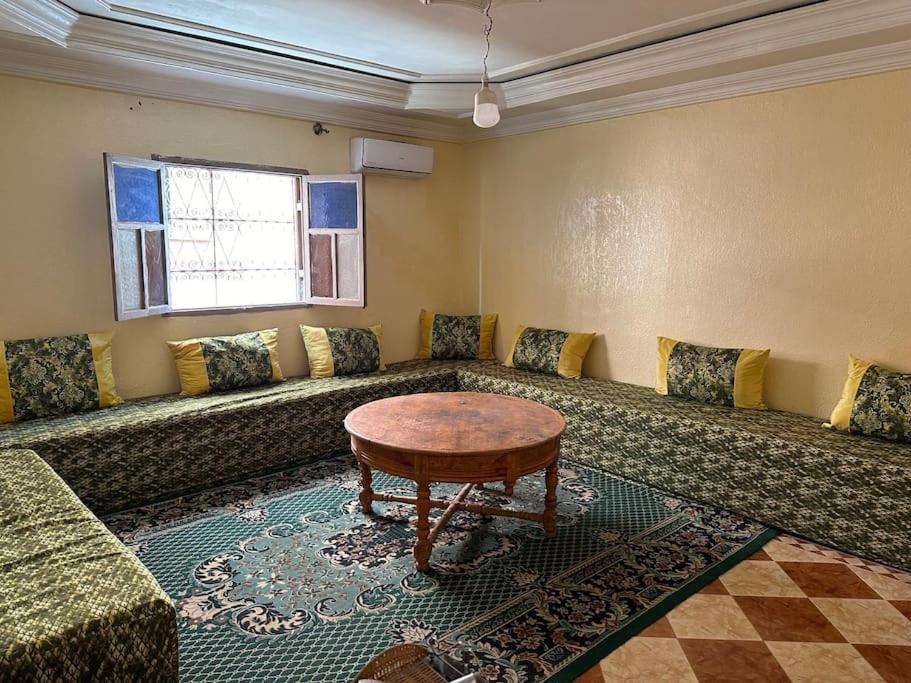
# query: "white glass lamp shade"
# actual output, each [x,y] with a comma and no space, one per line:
[486,109]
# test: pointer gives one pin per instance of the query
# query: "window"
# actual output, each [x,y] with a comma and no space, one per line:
[199,236]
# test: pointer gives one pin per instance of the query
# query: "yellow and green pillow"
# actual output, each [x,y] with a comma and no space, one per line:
[336,351]
[552,351]
[874,402]
[211,364]
[55,376]
[731,377]
[457,337]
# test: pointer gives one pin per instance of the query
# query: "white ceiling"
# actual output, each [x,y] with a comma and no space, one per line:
[407,40]
[401,67]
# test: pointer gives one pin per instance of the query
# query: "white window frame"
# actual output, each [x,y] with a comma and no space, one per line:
[303,180]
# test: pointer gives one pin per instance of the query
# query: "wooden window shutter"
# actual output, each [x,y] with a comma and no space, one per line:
[334,263]
[138,218]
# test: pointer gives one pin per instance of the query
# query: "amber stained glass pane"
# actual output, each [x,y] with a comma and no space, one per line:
[322,277]
[155,264]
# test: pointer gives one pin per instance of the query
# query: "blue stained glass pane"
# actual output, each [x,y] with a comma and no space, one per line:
[137,194]
[333,205]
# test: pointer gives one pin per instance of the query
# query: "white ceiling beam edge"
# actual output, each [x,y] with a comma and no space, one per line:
[260,43]
[861,62]
[48,19]
[126,41]
[615,44]
[796,28]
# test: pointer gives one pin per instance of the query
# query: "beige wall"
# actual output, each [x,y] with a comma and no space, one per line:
[780,220]
[54,262]
[777,220]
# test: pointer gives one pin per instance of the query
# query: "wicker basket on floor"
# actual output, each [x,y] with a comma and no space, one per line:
[406,663]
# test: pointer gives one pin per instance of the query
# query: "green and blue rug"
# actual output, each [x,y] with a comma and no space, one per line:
[282,578]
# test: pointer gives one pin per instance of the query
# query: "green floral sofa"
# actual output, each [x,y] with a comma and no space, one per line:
[75,604]
[782,469]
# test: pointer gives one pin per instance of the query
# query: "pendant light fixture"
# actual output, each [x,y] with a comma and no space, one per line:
[486,107]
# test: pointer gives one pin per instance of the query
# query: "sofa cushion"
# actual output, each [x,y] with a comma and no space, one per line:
[224,363]
[75,604]
[874,402]
[554,352]
[162,447]
[335,351]
[55,376]
[780,468]
[457,337]
[730,377]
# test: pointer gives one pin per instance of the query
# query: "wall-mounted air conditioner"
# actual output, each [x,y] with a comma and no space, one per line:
[391,158]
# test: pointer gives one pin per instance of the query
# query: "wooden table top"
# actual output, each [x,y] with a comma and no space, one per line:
[455,423]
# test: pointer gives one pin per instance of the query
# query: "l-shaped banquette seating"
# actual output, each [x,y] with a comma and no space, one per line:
[782,469]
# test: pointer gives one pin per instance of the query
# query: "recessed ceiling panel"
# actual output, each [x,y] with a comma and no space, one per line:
[412,41]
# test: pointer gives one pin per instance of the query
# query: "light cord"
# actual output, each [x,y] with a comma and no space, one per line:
[487,29]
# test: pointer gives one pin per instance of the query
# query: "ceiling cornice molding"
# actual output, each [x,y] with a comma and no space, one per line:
[22,56]
[139,60]
[263,44]
[628,40]
[48,19]
[149,45]
[797,28]
[862,62]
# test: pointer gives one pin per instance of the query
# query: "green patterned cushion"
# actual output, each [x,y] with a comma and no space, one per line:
[334,351]
[882,406]
[222,363]
[55,376]
[702,373]
[457,337]
[875,402]
[552,351]
[728,377]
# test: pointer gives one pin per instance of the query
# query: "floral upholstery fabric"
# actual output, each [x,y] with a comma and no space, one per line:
[52,376]
[882,405]
[539,350]
[455,337]
[782,469]
[157,448]
[354,350]
[238,361]
[75,603]
[702,373]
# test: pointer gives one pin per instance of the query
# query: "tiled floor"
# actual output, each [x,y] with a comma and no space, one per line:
[795,611]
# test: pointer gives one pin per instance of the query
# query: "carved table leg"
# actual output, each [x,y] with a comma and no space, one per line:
[423,547]
[508,487]
[366,496]
[550,502]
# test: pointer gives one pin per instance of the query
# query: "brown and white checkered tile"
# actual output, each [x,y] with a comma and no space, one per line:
[794,611]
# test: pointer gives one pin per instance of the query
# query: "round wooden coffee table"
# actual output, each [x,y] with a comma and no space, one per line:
[456,437]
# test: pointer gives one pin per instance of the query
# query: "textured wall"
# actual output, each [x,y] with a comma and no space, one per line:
[54,261]
[780,220]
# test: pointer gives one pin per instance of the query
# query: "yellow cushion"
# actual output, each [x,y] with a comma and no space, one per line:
[223,363]
[343,350]
[56,376]
[874,402]
[552,351]
[448,337]
[707,374]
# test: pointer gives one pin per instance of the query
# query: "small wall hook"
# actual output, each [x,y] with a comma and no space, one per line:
[320,129]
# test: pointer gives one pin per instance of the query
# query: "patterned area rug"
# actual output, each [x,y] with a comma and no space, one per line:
[282,578]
